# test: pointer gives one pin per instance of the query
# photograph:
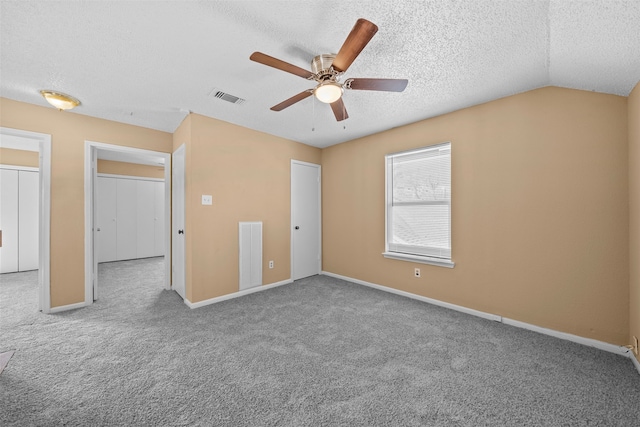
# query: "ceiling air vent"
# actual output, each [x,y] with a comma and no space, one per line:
[216,93]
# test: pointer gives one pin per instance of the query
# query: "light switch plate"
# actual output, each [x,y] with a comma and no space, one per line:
[207,199]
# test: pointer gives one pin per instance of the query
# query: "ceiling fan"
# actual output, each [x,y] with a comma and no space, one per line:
[327,70]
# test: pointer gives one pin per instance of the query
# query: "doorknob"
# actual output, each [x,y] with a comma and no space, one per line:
[180,231]
[297,227]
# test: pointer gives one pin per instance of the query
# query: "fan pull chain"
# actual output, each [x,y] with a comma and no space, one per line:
[344,113]
[313,115]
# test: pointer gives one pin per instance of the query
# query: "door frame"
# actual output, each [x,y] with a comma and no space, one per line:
[40,142]
[319,167]
[180,269]
[90,211]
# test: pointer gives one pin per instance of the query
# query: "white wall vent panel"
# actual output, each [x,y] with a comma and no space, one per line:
[250,254]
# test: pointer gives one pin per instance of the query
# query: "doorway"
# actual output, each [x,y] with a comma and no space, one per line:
[40,143]
[93,152]
[306,232]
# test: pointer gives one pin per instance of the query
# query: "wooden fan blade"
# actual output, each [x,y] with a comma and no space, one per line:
[289,102]
[388,85]
[280,65]
[357,39]
[339,110]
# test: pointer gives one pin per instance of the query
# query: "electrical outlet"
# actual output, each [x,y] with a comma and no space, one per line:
[270,264]
[635,345]
[416,272]
[207,199]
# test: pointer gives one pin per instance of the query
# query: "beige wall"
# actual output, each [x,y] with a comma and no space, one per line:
[10,156]
[541,184]
[248,174]
[540,217]
[68,132]
[130,169]
[634,211]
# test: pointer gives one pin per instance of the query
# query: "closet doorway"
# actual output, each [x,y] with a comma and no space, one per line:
[138,192]
[21,140]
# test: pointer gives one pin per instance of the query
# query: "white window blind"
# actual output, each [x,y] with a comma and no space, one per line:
[419,202]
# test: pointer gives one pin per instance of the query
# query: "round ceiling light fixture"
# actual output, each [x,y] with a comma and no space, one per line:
[60,100]
[328,92]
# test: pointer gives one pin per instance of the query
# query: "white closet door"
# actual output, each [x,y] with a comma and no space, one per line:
[127,219]
[28,213]
[159,219]
[145,228]
[107,219]
[9,220]
[305,220]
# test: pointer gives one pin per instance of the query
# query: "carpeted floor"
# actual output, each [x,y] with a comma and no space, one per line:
[318,352]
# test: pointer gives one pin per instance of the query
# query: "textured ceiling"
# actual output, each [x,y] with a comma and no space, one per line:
[149,63]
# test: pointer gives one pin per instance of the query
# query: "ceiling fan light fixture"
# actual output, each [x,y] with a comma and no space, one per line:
[60,100]
[328,92]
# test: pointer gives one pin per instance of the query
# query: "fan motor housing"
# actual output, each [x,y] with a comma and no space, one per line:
[321,66]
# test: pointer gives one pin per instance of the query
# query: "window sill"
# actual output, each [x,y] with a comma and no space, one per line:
[421,259]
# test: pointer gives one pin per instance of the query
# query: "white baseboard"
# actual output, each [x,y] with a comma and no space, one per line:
[235,294]
[60,308]
[612,348]
[635,361]
[439,303]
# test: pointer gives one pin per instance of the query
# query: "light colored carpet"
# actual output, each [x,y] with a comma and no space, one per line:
[318,352]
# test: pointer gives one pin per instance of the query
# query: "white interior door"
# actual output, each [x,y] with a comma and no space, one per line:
[28,214]
[305,220]
[145,213]
[177,227]
[106,218]
[127,240]
[9,220]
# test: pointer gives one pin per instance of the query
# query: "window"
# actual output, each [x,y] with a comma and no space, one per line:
[418,205]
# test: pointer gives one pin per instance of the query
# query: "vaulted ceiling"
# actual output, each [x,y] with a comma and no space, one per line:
[150,63]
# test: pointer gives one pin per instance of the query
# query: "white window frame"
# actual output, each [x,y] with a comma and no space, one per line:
[396,252]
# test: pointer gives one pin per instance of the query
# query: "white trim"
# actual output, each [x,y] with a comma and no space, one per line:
[235,294]
[91,148]
[168,165]
[139,178]
[439,303]
[22,140]
[319,167]
[19,168]
[89,156]
[611,348]
[439,146]
[67,307]
[419,258]
[635,361]
[300,162]
[44,272]
[43,143]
